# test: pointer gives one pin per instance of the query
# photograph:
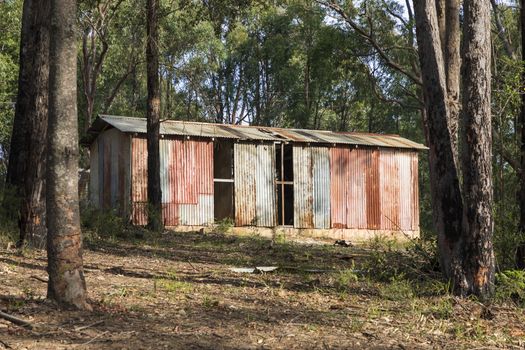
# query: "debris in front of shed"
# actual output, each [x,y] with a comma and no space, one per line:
[343,243]
[257,269]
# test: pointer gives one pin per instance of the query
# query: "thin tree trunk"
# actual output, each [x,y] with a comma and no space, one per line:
[520,253]
[477,252]
[451,47]
[444,182]
[64,242]
[26,168]
[153,118]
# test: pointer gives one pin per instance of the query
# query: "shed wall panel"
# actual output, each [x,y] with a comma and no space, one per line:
[139,180]
[356,195]
[303,187]
[245,184]
[415,191]
[405,190]
[265,196]
[338,186]
[373,199]
[94,189]
[321,186]
[389,189]
[186,176]
[373,189]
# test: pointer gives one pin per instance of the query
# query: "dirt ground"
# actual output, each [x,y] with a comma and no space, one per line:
[176,291]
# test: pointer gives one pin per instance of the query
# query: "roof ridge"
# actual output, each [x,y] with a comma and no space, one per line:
[128,124]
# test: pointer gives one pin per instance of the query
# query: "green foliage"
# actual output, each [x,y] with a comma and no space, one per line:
[224,225]
[104,224]
[510,285]
[9,208]
[10,24]
[344,278]
[399,289]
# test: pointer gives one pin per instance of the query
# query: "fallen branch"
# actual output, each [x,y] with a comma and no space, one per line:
[78,329]
[5,345]
[15,320]
[98,336]
[39,278]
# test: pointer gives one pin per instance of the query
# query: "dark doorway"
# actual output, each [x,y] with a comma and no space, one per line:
[284,182]
[223,180]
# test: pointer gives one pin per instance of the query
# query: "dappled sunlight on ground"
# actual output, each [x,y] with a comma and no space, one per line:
[176,291]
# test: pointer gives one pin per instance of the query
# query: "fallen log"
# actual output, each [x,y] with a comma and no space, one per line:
[16,320]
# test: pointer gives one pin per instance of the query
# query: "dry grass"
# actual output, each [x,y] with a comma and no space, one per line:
[175,291]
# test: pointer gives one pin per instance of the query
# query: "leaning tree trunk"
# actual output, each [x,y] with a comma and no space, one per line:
[153,118]
[520,254]
[26,168]
[64,245]
[451,48]
[444,182]
[477,272]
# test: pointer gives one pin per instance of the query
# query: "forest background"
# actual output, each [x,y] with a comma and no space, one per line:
[296,63]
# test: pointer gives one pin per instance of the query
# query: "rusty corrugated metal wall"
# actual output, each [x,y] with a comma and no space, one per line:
[334,187]
[374,189]
[109,174]
[186,180]
[311,169]
[254,190]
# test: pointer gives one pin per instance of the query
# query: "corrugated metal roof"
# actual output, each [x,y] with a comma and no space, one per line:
[244,132]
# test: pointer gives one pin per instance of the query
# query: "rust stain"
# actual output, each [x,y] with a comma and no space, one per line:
[373,199]
[481,277]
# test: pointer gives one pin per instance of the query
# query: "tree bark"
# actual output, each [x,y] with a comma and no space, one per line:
[520,253]
[64,242]
[477,253]
[26,168]
[153,118]
[444,182]
[451,48]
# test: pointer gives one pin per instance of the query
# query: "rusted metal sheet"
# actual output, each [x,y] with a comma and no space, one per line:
[245,183]
[404,160]
[200,214]
[303,187]
[365,188]
[389,189]
[94,188]
[110,172]
[253,133]
[265,196]
[139,180]
[373,199]
[415,191]
[338,186]
[311,168]
[186,181]
[356,196]
[321,186]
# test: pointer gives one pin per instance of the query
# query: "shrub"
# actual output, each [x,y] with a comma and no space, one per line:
[510,285]
[103,224]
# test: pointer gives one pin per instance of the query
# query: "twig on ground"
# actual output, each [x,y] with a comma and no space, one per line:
[78,329]
[95,338]
[5,345]
[15,320]
[193,267]
[39,278]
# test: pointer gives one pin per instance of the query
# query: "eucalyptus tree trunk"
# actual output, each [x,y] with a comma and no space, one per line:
[444,183]
[153,118]
[66,283]
[520,254]
[451,49]
[26,168]
[477,252]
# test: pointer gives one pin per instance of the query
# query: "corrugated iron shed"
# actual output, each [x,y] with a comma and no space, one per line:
[247,133]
